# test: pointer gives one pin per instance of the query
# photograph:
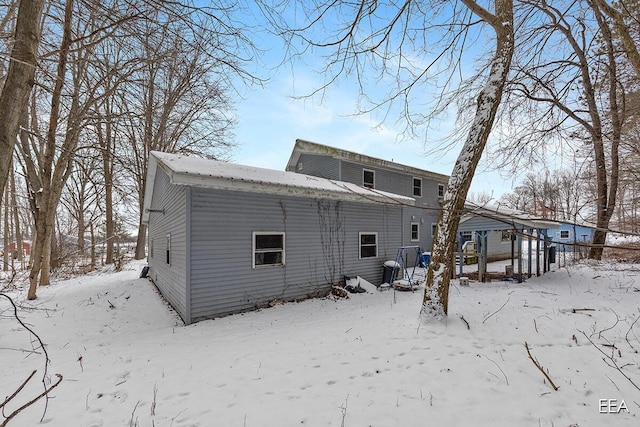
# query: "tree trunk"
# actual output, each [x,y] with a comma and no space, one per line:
[93,246]
[7,232]
[19,81]
[106,145]
[141,241]
[52,180]
[16,217]
[607,186]
[436,294]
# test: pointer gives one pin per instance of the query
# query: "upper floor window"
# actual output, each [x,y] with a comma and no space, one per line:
[368,178]
[440,190]
[268,249]
[417,187]
[564,234]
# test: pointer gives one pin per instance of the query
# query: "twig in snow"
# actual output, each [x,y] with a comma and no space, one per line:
[611,359]
[343,408]
[610,327]
[626,336]
[575,310]
[155,395]
[133,423]
[492,314]
[540,368]
[535,325]
[465,322]
[498,366]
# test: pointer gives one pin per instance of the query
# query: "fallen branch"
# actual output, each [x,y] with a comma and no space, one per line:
[575,310]
[15,393]
[45,375]
[535,362]
[32,401]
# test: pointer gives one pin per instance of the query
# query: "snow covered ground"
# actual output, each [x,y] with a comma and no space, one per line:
[366,361]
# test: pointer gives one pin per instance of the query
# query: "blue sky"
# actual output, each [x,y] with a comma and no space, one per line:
[271,118]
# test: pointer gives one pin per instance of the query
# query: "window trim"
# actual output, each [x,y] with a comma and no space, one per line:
[417,224]
[360,234]
[373,175]
[253,248]
[415,178]
[441,190]
[568,236]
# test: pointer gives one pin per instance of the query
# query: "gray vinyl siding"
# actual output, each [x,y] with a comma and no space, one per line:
[318,165]
[424,218]
[222,278]
[170,279]
[495,246]
[393,182]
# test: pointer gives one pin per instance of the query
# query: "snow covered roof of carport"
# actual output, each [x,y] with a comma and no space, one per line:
[502,218]
[199,172]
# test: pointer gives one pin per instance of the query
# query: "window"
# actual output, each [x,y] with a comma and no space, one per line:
[440,190]
[417,187]
[434,228]
[368,178]
[415,231]
[151,245]
[564,234]
[506,236]
[168,249]
[268,249]
[368,245]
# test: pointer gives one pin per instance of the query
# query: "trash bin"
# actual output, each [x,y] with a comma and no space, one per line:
[390,271]
[552,254]
[424,259]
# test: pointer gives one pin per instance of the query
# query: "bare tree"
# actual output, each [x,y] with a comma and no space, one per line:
[567,92]
[179,105]
[19,80]
[382,41]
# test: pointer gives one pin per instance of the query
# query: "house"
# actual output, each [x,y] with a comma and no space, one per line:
[572,237]
[226,238]
[427,188]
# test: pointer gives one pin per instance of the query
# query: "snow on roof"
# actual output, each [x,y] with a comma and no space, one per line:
[506,215]
[199,172]
[303,146]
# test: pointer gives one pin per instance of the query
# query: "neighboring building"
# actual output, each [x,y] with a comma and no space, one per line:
[427,188]
[226,238]
[571,237]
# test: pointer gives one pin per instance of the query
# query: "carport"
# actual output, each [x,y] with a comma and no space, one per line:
[481,221]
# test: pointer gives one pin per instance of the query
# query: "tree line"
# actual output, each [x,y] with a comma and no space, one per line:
[89,88]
